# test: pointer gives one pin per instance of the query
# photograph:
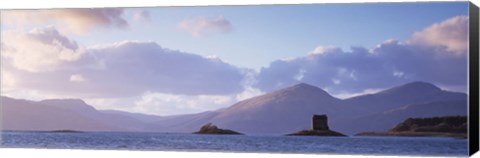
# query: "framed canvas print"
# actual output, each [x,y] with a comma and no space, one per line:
[349,79]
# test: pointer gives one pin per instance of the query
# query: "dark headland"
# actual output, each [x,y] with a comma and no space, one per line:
[212,129]
[319,128]
[447,126]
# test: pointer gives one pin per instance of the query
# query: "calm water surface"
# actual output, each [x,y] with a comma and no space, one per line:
[238,143]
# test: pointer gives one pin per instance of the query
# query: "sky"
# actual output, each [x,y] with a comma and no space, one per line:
[178,60]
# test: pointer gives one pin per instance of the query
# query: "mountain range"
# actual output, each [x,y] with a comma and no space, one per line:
[276,113]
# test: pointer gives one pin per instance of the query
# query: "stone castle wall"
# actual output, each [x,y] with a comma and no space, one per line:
[320,122]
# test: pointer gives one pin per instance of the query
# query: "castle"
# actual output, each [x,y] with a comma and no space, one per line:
[319,128]
[319,122]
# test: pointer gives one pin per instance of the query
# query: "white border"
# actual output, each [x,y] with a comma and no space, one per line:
[54,153]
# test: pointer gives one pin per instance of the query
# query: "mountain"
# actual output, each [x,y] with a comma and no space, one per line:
[76,105]
[63,114]
[276,113]
[28,115]
[290,109]
[410,93]
[279,112]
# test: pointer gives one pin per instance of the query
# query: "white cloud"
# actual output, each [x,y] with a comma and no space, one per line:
[166,104]
[324,49]
[40,50]
[77,20]
[77,78]
[364,92]
[451,33]
[34,95]
[122,104]
[170,104]
[336,81]
[142,16]
[389,63]
[352,75]
[7,80]
[202,25]
[151,79]
[398,73]
[248,93]
[124,69]
[300,74]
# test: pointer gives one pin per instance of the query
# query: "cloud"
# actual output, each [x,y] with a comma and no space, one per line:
[334,69]
[77,78]
[390,63]
[159,80]
[202,25]
[7,81]
[163,70]
[78,20]
[39,50]
[451,33]
[323,50]
[165,104]
[127,68]
[364,92]
[142,16]
[171,104]
[248,93]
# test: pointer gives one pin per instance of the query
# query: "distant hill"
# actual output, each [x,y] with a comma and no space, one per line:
[396,97]
[62,114]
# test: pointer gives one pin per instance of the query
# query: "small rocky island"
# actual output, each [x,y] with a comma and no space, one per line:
[447,126]
[65,131]
[212,129]
[319,128]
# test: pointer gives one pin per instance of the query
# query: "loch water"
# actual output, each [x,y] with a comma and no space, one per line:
[368,145]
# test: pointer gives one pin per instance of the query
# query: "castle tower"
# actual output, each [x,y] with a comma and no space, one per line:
[320,122]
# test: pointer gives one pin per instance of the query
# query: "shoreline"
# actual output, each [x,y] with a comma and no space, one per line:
[413,134]
[362,134]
